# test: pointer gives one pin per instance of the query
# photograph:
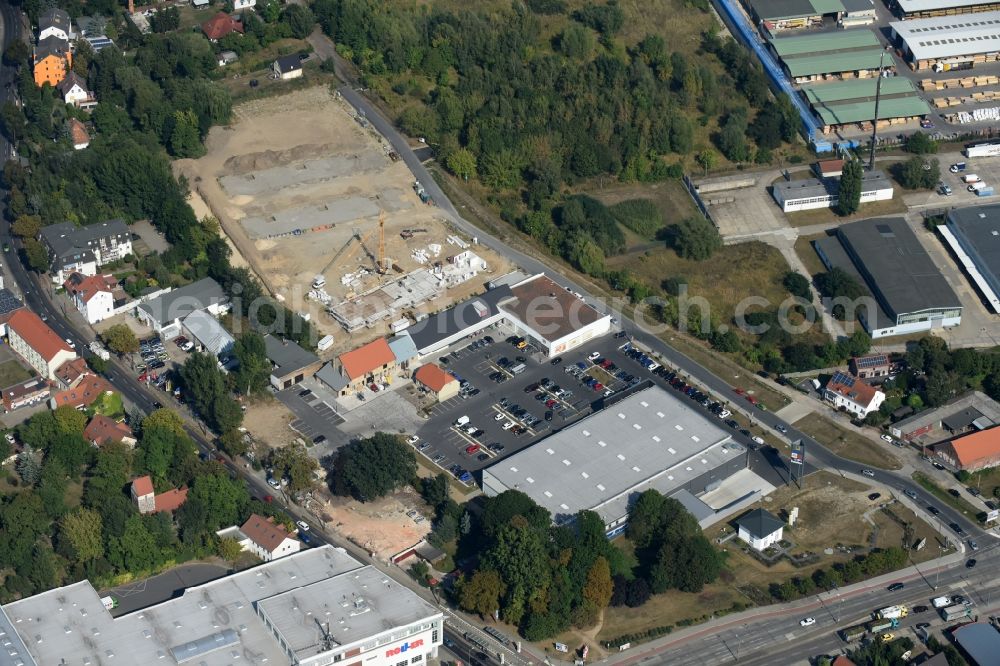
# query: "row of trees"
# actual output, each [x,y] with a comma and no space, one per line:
[51,534]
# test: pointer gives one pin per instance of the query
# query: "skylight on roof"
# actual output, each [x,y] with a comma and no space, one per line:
[601,487]
[547,494]
[529,479]
[671,449]
[660,414]
[644,403]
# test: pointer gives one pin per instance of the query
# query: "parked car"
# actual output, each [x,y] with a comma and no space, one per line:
[471,448]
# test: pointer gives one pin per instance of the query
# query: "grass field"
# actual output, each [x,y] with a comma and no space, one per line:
[846,443]
[12,372]
[987,481]
[807,253]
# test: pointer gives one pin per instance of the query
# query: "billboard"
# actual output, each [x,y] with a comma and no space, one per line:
[798,454]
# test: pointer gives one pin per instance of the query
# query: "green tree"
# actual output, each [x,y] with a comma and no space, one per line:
[645,519]
[229,550]
[299,19]
[369,468]
[503,508]
[120,339]
[135,551]
[481,593]
[26,226]
[36,255]
[185,140]
[82,529]
[797,285]
[917,173]
[919,143]
[849,193]
[462,163]
[69,421]
[708,159]
[519,557]
[295,463]
[694,238]
[254,370]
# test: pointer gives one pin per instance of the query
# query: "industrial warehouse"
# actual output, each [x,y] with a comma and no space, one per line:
[778,15]
[593,465]
[843,54]
[318,606]
[949,42]
[913,9]
[853,103]
[910,295]
[974,236]
[811,193]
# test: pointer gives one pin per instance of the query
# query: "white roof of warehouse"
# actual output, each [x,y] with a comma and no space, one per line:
[208,332]
[211,624]
[950,36]
[910,6]
[650,439]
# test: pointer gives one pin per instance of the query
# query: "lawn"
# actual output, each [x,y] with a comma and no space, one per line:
[110,405]
[807,253]
[987,481]
[956,503]
[669,196]
[892,533]
[846,443]
[12,372]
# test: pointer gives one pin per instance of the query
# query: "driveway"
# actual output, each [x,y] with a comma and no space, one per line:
[151,591]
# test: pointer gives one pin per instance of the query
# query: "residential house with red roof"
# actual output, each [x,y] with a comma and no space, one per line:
[370,363]
[103,430]
[221,25]
[263,537]
[78,134]
[88,391]
[71,373]
[852,395]
[37,344]
[148,501]
[437,381]
[972,452]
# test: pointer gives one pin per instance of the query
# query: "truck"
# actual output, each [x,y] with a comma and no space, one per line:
[891,612]
[518,369]
[941,602]
[955,612]
[970,178]
[987,191]
[461,421]
[988,149]
[878,626]
[99,350]
[853,633]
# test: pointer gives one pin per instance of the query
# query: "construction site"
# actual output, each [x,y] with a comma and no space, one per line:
[330,218]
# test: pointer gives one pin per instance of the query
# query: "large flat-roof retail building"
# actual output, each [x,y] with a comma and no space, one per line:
[912,9]
[650,439]
[319,606]
[909,294]
[949,42]
[974,236]
[554,319]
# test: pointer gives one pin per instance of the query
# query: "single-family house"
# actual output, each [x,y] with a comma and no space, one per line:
[148,501]
[227,58]
[208,334]
[78,134]
[26,393]
[84,249]
[287,67]
[440,383]
[760,529]
[221,25]
[971,452]
[54,23]
[290,363]
[37,344]
[87,391]
[262,537]
[164,314]
[103,430]
[74,91]
[95,296]
[872,366]
[852,395]
[71,373]
[9,304]
[51,61]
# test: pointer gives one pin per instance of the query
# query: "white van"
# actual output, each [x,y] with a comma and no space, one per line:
[975,187]
[970,178]
[461,421]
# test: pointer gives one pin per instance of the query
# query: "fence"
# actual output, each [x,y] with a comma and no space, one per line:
[696,198]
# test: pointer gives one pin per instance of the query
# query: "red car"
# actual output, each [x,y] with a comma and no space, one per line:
[471,448]
[598,386]
[268,498]
[551,403]
[373,387]
[739,391]
[752,400]
[606,363]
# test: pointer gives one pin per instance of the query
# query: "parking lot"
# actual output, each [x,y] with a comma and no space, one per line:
[475,429]
[315,419]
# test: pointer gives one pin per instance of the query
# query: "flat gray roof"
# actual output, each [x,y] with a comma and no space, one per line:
[950,36]
[981,641]
[871,181]
[179,303]
[70,624]
[979,227]
[287,356]
[831,248]
[354,606]
[898,270]
[650,439]
[980,402]
[468,313]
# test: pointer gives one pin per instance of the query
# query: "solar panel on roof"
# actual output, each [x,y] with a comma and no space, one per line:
[842,378]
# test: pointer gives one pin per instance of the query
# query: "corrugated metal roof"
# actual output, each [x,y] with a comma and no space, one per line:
[854,112]
[950,36]
[911,6]
[857,89]
[832,63]
[840,40]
